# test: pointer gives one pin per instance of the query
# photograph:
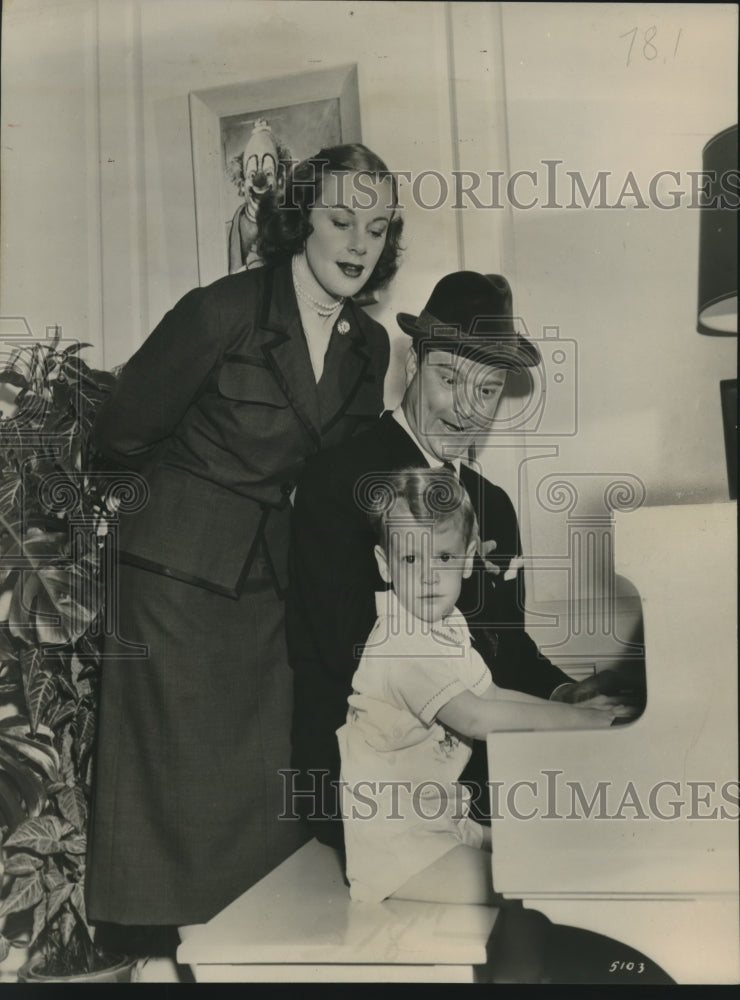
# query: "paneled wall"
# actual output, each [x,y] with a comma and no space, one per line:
[50,233]
[627,90]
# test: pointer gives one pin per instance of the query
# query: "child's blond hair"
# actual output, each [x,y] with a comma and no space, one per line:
[432,495]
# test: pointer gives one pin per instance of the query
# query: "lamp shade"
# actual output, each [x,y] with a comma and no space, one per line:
[717,312]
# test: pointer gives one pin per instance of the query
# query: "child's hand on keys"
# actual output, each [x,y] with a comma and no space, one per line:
[596,718]
[622,714]
[603,715]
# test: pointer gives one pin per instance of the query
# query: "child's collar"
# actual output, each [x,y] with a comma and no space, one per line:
[453,628]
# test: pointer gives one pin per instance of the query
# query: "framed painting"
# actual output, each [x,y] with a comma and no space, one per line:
[273,121]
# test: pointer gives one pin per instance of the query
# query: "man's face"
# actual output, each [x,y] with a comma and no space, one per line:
[426,563]
[450,401]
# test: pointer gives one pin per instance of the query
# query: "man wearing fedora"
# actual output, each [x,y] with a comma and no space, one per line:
[463,344]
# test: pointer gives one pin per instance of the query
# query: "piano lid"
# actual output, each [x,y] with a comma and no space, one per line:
[645,811]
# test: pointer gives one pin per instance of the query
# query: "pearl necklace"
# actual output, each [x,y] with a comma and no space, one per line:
[324,309]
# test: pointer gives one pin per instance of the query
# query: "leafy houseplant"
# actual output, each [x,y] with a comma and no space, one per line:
[55,510]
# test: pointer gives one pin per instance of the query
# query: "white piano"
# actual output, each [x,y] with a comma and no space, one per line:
[614,860]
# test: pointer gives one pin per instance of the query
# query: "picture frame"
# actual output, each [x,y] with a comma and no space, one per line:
[306,111]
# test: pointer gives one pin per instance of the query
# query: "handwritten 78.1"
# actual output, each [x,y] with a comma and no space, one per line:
[648,48]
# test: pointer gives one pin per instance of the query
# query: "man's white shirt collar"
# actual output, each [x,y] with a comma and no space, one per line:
[434,463]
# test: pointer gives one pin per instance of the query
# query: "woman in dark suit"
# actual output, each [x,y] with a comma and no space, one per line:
[218,410]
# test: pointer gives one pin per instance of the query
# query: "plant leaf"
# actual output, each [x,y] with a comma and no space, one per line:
[26,790]
[22,864]
[17,726]
[78,901]
[58,896]
[67,923]
[88,651]
[11,377]
[53,877]
[74,348]
[25,892]
[73,807]
[65,686]
[10,672]
[27,764]
[58,602]
[41,834]
[14,738]
[41,693]
[30,660]
[60,715]
[84,732]
[12,802]
[89,670]
[74,845]
[39,920]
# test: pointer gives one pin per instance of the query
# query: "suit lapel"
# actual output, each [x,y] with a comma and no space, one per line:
[347,359]
[401,448]
[473,484]
[470,480]
[285,349]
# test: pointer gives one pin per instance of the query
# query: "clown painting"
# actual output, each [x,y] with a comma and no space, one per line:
[258,146]
[258,168]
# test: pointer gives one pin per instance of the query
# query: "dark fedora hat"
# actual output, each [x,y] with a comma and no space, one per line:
[471,314]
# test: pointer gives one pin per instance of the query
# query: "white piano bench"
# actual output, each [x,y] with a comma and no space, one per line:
[298,924]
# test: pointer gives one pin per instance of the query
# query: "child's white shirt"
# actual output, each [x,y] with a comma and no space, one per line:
[409,670]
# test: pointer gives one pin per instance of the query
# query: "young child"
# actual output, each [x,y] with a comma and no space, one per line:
[421,694]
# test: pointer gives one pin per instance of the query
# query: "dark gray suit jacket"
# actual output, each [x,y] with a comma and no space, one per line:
[219,410]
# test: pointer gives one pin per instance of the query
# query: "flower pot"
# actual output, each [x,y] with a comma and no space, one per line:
[121,972]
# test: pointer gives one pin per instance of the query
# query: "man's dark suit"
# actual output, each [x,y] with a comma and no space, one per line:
[331,606]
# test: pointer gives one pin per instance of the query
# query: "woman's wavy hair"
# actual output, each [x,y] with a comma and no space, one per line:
[283,221]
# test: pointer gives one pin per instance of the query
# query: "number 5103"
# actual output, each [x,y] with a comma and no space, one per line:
[627,967]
